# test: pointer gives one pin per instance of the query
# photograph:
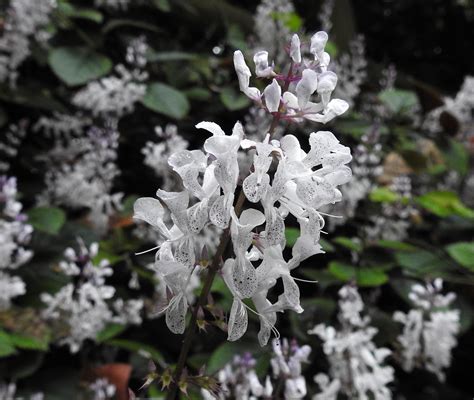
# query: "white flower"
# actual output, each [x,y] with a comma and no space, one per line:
[81,174]
[15,234]
[429,330]
[113,95]
[310,77]
[24,19]
[284,179]
[84,306]
[356,364]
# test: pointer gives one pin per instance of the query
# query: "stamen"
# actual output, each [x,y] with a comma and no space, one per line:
[147,251]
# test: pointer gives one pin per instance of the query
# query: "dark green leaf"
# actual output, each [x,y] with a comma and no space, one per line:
[348,243]
[444,204]
[364,276]
[166,100]
[164,56]
[109,332]
[6,346]
[28,342]
[120,23]
[396,245]
[463,253]
[383,195]
[457,157]
[47,219]
[78,65]
[162,5]
[233,100]
[291,235]
[420,262]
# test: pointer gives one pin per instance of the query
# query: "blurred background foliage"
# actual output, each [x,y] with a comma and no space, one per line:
[190,79]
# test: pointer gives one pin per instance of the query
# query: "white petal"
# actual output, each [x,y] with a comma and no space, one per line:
[218,214]
[306,87]
[198,216]
[212,127]
[290,101]
[148,209]
[242,70]
[262,69]
[244,278]
[318,43]
[272,95]
[238,321]
[176,314]
[253,189]
[295,49]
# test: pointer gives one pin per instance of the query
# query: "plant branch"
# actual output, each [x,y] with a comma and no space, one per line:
[212,271]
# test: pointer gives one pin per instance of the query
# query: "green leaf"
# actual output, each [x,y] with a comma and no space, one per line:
[463,253]
[6,346]
[120,23]
[383,195]
[331,49]
[348,243]
[162,5]
[444,204]
[291,20]
[109,332]
[72,11]
[164,56]
[78,65]
[166,100]
[144,350]
[222,355]
[326,246]
[233,100]
[47,219]
[364,276]
[396,245]
[420,262]
[291,235]
[199,94]
[398,101]
[457,157]
[29,342]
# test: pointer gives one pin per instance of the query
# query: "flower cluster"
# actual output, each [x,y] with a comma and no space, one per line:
[24,18]
[356,365]
[81,175]
[429,330]
[283,180]
[271,28]
[351,70]
[304,78]
[10,143]
[113,96]
[62,125]
[15,233]
[157,154]
[84,303]
[394,221]
[239,380]
[366,168]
